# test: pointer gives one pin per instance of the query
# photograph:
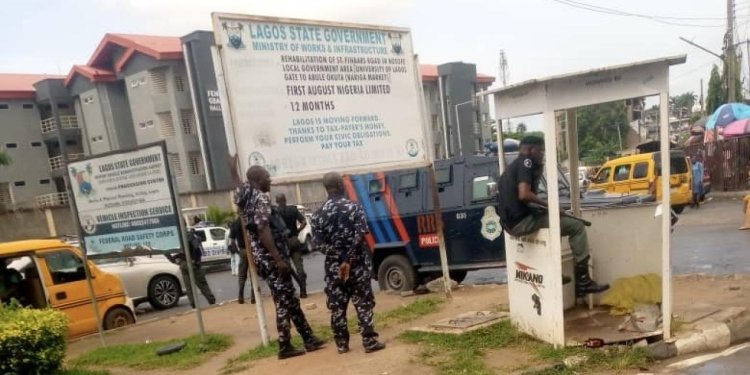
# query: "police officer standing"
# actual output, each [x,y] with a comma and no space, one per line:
[196,252]
[295,222]
[236,235]
[272,259]
[518,194]
[339,227]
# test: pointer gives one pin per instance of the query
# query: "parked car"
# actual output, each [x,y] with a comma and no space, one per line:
[147,278]
[214,238]
[52,276]
[305,235]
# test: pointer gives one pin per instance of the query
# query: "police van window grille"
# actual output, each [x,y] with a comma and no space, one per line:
[174,164]
[479,188]
[443,176]
[158,80]
[407,181]
[166,124]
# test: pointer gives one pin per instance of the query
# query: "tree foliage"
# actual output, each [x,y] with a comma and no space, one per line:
[598,131]
[683,103]
[716,95]
[521,128]
[218,216]
[5,158]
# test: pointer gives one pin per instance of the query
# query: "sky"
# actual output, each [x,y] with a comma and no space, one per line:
[540,37]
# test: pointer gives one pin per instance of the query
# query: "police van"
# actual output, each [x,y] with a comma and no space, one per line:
[403,235]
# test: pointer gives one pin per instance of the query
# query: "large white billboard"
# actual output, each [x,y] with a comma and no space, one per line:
[125,199]
[309,97]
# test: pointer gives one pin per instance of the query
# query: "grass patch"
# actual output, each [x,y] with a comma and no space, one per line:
[144,357]
[81,371]
[399,315]
[464,354]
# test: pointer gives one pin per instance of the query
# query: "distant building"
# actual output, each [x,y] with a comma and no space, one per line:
[139,89]
[459,120]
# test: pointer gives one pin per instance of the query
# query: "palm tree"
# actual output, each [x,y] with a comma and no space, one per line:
[521,128]
[5,158]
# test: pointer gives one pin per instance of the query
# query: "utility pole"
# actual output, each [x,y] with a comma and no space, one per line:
[729,54]
[701,99]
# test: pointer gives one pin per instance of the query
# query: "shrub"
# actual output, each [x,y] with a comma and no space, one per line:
[32,341]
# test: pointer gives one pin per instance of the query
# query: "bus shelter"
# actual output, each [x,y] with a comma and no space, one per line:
[624,241]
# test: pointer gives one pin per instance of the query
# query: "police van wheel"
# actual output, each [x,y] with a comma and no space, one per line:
[396,273]
[459,275]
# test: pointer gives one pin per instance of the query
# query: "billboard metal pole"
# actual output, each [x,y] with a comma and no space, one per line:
[226,113]
[74,212]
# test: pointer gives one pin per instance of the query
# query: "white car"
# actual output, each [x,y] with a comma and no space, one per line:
[215,249]
[147,278]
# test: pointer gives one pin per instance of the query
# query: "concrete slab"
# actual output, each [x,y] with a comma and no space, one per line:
[465,322]
[696,312]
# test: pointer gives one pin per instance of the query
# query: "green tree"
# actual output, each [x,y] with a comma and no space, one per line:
[598,128]
[5,158]
[218,216]
[521,128]
[716,95]
[682,104]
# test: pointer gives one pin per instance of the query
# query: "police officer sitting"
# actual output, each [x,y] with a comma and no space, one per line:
[518,192]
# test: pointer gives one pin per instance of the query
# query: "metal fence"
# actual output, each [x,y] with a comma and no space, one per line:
[727,163]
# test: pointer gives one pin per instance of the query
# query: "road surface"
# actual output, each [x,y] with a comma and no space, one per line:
[706,240]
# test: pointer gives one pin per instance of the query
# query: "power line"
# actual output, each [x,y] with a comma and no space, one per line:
[660,19]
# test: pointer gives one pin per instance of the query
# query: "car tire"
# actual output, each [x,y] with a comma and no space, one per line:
[164,292]
[459,275]
[396,273]
[118,317]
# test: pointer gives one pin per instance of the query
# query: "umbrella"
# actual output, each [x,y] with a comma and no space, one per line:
[728,113]
[737,128]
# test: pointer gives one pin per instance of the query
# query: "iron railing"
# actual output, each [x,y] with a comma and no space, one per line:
[726,162]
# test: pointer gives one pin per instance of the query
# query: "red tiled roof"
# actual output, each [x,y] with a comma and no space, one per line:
[430,73]
[158,47]
[93,74]
[21,86]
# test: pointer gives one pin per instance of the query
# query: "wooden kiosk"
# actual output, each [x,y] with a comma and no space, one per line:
[624,241]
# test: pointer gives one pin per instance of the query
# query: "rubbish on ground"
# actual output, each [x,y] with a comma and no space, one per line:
[625,293]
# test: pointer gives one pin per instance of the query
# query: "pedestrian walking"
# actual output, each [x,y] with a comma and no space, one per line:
[295,222]
[339,227]
[196,252]
[237,237]
[268,243]
[698,173]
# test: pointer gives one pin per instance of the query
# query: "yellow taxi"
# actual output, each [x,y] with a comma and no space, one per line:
[637,174]
[50,273]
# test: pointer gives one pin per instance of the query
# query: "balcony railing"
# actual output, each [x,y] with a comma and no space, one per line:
[56,162]
[52,200]
[49,125]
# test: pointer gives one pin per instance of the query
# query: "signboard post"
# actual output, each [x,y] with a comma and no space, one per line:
[126,199]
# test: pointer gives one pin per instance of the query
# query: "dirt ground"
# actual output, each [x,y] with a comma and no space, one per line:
[239,321]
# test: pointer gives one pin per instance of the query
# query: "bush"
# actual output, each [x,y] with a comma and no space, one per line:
[31,341]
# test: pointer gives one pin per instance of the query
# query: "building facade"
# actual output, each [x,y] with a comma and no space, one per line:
[460,121]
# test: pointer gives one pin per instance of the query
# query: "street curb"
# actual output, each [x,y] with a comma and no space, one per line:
[710,336]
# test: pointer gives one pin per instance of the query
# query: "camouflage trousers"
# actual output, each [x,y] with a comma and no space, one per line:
[357,289]
[285,299]
[200,282]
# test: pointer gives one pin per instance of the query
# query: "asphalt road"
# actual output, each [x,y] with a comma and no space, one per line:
[706,240]
[734,360]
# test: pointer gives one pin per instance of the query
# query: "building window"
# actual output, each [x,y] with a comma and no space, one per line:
[188,121]
[28,106]
[179,83]
[63,106]
[195,163]
[44,182]
[3,106]
[20,183]
[174,164]
[71,142]
[11,145]
[158,81]
[166,125]
[36,144]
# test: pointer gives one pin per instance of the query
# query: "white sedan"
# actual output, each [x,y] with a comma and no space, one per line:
[148,278]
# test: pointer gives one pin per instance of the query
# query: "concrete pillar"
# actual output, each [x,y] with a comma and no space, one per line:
[50,222]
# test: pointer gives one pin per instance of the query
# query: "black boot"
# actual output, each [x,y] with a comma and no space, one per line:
[286,350]
[313,343]
[584,284]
